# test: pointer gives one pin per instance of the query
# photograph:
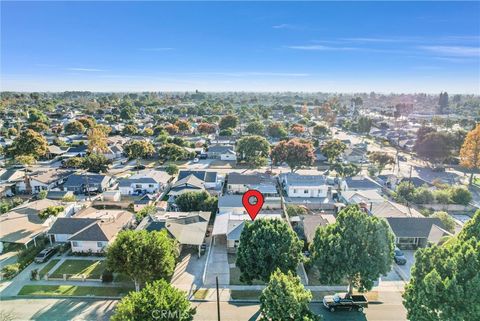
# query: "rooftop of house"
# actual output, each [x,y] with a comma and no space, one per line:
[50,175]
[420,227]
[294,179]
[361,182]
[85,178]
[220,149]
[206,176]
[392,209]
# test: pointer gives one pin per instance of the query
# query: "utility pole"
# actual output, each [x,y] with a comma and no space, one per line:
[218,299]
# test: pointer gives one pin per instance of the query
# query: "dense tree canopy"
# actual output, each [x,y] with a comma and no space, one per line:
[267,245]
[357,247]
[95,163]
[74,127]
[206,128]
[29,142]
[445,279]
[255,128]
[229,121]
[156,301]
[285,299]
[174,152]
[332,149]
[143,256]
[253,150]
[277,130]
[345,169]
[381,159]
[196,201]
[295,153]
[97,140]
[136,149]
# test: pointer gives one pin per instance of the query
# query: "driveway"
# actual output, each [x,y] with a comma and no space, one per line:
[404,270]
[217,264]
[189,270]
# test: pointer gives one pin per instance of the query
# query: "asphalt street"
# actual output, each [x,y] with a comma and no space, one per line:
[388,308]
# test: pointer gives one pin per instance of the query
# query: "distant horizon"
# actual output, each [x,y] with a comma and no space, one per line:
[330,47]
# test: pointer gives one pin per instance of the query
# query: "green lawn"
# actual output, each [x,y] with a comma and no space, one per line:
[92,269]
[53,290]
[48,267]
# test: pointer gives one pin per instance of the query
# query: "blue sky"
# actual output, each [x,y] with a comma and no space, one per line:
[230,46]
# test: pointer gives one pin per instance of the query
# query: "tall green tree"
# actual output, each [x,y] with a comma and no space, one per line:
[255,128]
[228,121]
[157,301]
[445,279]
[267,245]
[254,150]
[332,149]
[96,163]
[74,127]
[345,169]
[357,248]
[196,201]
[143,256]
[277,130]
[136,149]
[285,299]
[29,142]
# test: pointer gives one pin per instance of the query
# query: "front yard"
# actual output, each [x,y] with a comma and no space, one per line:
[235,272]
[91,269]
[72,290]
[48,267]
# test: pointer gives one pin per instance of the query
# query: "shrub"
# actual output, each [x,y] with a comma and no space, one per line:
[107,276]
[10,270]
[50,211]
[295,210]
[460,195]
[442,196]
[33,274]
[423,195]
[26,256]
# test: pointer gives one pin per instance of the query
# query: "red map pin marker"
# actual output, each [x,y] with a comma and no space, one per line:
[252,200]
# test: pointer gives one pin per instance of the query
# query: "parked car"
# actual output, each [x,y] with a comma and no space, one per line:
[402,158]
[399,257]
[345,301]
[203,156]
[45,254]
[195,160]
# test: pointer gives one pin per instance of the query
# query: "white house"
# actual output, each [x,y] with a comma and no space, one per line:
[309,186]
[148,181]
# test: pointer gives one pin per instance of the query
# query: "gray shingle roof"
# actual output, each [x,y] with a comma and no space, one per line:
[207,177]
[70,225]
[413,226]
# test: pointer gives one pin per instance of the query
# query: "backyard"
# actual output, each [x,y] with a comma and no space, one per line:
[91,269]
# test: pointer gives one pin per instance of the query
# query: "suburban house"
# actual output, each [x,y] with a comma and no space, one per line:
[415,232]
[238,183]
[391,209]
[9,179]
[309,223]
[87,182]
[357,197]
[304,186]
[211,180]
[188,228]
[189,183]
[233,204]
[44,180]
[228,227]
[145,201]
[356,153]
[150,181]
[114,152]
[223,152]
[22,225]
[59,195]
[91,230]
[76,151]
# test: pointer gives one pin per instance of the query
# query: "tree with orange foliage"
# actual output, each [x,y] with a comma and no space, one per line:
[171,129]
[295,152]
[206,128]
[470,152]
[297,129]
[183,125]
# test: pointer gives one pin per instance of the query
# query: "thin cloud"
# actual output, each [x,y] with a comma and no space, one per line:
[456,51]
[283,26]
[85,69]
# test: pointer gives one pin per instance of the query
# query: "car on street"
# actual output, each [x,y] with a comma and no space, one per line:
[345,301]
[399,257]
[45,254]
[196,160]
